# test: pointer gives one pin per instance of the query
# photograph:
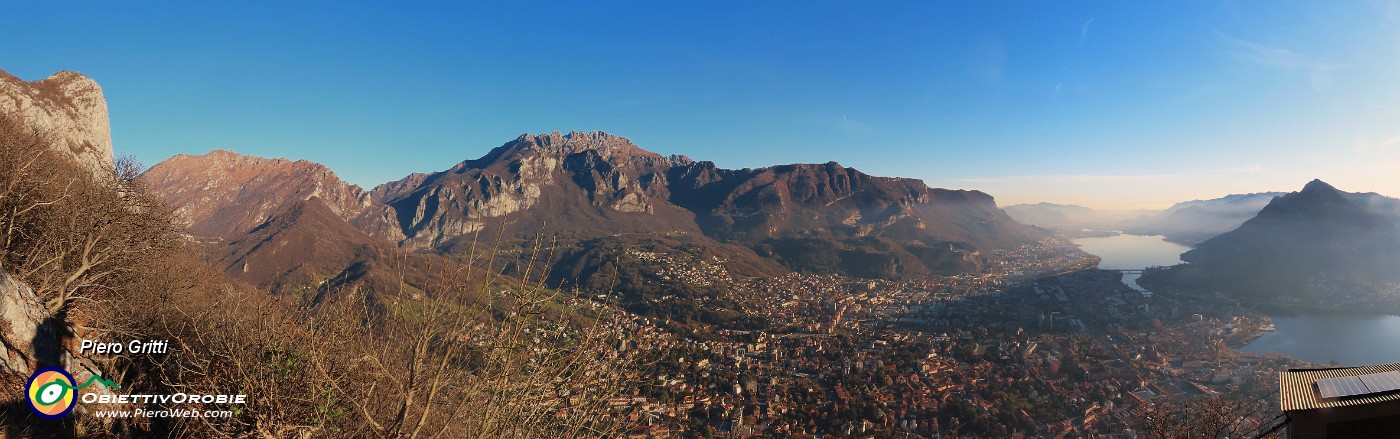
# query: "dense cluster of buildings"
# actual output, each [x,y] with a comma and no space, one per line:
[1040,347]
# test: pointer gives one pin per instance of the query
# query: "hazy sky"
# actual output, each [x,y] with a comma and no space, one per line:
[1107,104]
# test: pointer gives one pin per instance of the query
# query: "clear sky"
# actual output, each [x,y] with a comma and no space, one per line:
[1108,104]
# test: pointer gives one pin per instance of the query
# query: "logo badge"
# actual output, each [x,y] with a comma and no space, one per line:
[51,392]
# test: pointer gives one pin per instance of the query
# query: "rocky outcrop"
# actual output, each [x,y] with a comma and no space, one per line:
[67,107]
[224,195]
[22,321]
[31,338]
[584,184]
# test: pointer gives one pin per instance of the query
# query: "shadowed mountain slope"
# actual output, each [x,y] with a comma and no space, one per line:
[1302,244]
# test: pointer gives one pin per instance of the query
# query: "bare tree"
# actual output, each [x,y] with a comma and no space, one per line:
[1208,417]
[469,353]
[68,233]
[465,353]
[479,355]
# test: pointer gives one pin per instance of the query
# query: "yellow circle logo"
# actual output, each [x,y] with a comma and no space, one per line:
[50,392]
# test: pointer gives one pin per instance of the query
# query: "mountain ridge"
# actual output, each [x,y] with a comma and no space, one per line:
[603,184]
[1192,222]
[586,185]
[222,194]
[1304,244]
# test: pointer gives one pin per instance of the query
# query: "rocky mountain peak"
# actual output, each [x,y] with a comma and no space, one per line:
[1317,185]
[1319,202]
[614,149]
[70,108]
[819,217]
[73,82]
[608,146]
[1317,231]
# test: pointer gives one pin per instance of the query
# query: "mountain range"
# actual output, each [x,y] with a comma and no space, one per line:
[1187,222]
[1304,244]
[1192,222]
[1072,219]
[593,194]
[295,226]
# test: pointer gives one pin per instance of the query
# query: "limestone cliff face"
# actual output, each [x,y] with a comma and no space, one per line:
[224,195]
[69,108]
[578,182]
[811,217]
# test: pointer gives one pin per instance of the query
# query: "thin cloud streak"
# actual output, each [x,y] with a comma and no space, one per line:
[1083,178]
[1319,72]
[1084,30]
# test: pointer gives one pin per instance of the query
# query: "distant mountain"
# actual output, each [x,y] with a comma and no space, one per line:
[1302,243]
[67,107]
[1050,215]
[819,218]
[223,195]
[1194,221]
[1072,219]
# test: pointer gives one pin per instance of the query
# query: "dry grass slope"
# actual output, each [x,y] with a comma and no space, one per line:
[460,357]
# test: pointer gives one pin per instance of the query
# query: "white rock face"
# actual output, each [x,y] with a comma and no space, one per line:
[70,109]
[30,339]
[21,315]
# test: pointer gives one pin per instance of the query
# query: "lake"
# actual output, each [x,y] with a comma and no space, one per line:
[1350,338]
[1133,252]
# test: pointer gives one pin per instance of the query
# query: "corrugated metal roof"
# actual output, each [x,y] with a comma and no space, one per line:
[1296,389]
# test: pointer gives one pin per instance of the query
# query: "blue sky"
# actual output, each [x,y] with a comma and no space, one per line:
[1106,104]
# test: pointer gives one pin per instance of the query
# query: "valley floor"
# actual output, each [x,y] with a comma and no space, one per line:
[1047,346]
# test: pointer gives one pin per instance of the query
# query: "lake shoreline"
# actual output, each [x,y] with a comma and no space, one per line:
[1291,336]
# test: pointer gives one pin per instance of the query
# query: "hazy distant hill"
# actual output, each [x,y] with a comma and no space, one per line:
[1302,243]
[1072,219]
[1198,220]
[1050,215]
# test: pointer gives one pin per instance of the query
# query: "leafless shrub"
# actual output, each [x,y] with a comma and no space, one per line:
[1208,417]
[477,355]
[439,367]
[471,355]
[71,235]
